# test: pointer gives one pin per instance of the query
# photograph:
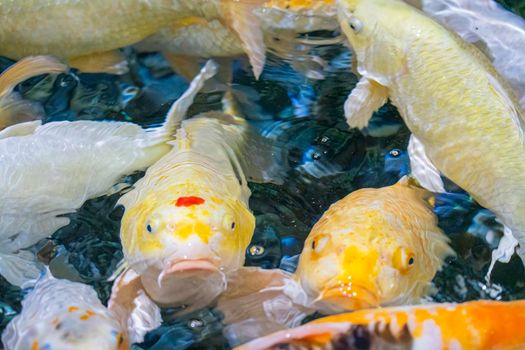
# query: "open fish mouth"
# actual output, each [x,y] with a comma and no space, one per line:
[340,298]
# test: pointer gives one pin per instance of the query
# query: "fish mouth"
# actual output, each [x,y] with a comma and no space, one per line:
[345,298]
[185,282]
[189,265]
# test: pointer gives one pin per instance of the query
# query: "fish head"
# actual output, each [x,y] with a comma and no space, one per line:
[184,246]
[365,257]
[76,328]
[378,32]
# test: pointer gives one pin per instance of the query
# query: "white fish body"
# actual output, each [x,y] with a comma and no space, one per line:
[63,315]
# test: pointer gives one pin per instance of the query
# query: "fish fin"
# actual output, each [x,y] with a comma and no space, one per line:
[422,168]
[14,109]
[133,309]
[19,268]
[188,66]
[240,17]
[256,304]
[506,248]
[111,62]
[21,129]
[179,109]
[366,98]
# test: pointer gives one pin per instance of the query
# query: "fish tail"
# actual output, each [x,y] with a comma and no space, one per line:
[178,110]
[13,109]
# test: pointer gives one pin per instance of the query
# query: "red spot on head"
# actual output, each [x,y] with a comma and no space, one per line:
[189,201]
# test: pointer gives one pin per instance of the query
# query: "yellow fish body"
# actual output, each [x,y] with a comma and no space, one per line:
[476,325]
[375,247]
[85,32]
[465,121]
[187,223]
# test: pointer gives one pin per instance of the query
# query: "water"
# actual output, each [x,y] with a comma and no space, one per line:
[326,161]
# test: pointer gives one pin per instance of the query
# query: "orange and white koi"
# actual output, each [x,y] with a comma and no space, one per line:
[63,315]
[476,325]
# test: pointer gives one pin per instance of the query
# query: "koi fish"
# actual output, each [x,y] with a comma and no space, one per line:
[499,32]
[375,247]
[13,109]
[472,325]
[195,36]
[187,223]
[52,169]
[454,102]
[63,315]
[90,34]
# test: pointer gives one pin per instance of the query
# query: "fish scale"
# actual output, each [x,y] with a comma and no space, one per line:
[457,106]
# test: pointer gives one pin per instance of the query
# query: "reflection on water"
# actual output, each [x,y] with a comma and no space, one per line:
[292,105]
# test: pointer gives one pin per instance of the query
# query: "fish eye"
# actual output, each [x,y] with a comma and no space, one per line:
[355,24]
[148,227]
[403,259]
[319,243]
[233,225]
[395,153]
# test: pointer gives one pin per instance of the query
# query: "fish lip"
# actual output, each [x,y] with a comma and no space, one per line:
[360,298]
[189,265]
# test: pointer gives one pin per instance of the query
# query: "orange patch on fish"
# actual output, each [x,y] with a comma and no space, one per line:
[189,201]
[35,345]
[72,309]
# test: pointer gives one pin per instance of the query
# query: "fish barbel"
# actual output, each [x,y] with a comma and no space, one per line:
[465,120]
[476,325]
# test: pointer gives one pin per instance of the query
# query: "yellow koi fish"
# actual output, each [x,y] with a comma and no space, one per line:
[375,247]
[13,109]
[476,325]
[465,120]
[80,160]
[187,223]
[86,33]
[63,315]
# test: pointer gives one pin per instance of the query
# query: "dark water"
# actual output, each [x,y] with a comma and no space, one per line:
[326,162]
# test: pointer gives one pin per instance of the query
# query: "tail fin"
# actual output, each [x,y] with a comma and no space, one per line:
[13,109]
[19,268]
[179,109]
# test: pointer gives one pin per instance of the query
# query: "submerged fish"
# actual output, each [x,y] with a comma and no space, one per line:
[497,31]
[13,109]
[465,119]
[187,222]
[63,315]
[87,33]
[474,325]
[374,247]
[52,169]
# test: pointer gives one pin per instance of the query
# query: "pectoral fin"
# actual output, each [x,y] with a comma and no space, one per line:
[112,62]
[422,168]
[20,129]
[130,305]
[256,304]
[12,108]
[506,247]
[239,17]
[366,98]
[19,268]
